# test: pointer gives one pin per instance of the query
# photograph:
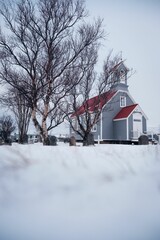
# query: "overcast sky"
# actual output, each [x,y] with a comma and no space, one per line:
[133,27]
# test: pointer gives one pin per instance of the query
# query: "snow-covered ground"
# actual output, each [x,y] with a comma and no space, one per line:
[106,192]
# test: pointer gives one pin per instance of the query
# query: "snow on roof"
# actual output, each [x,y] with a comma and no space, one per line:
[125,112]
[95,103]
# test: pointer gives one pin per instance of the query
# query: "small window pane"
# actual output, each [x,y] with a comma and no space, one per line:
[122,101]
[94,128]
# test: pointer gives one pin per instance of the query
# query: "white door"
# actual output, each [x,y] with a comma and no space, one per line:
[137,125]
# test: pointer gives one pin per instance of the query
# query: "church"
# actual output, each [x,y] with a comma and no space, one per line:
[122,119]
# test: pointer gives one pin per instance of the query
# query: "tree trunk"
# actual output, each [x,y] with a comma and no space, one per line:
[22,131]
[23,138]
[88,139]
[46,140]
[45,137]
[42,130]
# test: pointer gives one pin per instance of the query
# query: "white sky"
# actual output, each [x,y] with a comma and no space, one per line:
[133,27]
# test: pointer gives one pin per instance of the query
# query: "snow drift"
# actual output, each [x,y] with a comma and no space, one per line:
[106,192]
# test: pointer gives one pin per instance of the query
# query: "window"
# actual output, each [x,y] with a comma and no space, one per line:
[94,128]
[122,76]
[137,120]
[122,101]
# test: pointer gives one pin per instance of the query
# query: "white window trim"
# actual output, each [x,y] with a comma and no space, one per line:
[124,100]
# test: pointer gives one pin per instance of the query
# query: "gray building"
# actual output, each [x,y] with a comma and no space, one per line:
[122,119]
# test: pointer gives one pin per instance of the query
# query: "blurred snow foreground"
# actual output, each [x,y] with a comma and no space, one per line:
[106,192]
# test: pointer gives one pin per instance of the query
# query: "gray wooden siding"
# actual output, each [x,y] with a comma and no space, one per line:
[97,133]
[120,131]
[115,130]
[130,127]
[110,111]
[144,124]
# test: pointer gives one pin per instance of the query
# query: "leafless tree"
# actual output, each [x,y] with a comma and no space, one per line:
[43,46]
[17,104]
[7,126]
[89,96]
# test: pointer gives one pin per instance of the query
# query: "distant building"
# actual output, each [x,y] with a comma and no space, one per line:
[122,119]
[29,138]
[33,138]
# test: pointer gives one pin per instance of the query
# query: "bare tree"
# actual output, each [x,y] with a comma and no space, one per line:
[17,104]
[89,96]
[6,127]
[40,51]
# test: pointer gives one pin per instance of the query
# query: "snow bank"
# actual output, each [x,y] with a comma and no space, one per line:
[107,192]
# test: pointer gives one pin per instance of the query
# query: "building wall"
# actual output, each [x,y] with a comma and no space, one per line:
[120,86]
[97,134]
[130,127]
[130,122]
[107,129]
[110,111]
[120,130]
[144,124]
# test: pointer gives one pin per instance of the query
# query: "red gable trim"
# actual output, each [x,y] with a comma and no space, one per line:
[95,103]
[125,112]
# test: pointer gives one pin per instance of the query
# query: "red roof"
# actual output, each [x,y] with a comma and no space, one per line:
[125,112]
[95,103]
